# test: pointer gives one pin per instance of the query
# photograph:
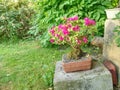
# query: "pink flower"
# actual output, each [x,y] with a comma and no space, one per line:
[61,38]
[61,26]
[69,25]
[73,31]
[76,28]
[93,22]
[57,35]
[89,22]
[73,18]
[79,41]
[85,40]
[65,31]
[52,40]
[52,31]
[86,19]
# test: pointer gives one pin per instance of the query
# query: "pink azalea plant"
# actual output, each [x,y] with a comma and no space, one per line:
[73,32]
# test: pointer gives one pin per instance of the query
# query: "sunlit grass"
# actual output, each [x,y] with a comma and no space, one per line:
[27,66]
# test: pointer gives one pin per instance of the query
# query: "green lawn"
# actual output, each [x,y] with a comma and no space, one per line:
[27,66]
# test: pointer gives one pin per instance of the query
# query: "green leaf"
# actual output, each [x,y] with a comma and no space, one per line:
[118,15]
[63,4]
[97,16]
[92,3]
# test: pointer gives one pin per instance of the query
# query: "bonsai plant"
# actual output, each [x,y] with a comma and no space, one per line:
[74,32]
[112,12]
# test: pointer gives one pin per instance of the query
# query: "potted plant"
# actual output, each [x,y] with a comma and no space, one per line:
[76,33]
[111,13]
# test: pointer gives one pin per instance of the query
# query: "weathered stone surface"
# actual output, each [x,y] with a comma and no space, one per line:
[98,78]
[110,49]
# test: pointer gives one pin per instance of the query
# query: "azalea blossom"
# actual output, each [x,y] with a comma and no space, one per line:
[52,31]
[79,41]
[61,38]
[69,25]
[76,28]
[89,22]
[61,26]
[57,35]
[85,40]
[74,18]
[73,32]
[52,40]
[65,31]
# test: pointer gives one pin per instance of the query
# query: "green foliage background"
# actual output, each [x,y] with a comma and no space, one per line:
[14,19]
[117,31]
[33,18]
[51,12]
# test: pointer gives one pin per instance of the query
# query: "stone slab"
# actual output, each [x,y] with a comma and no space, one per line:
[98,78]
[110,49]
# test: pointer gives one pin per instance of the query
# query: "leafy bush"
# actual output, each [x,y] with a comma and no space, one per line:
[117,36]
[14,19]
[49,13]
[115,3]
[117,31]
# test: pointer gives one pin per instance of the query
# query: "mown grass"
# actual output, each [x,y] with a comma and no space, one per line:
[27,66]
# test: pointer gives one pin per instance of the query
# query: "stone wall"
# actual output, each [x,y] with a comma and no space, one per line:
[110,49]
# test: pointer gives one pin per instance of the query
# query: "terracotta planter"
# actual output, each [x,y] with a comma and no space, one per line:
[111,13]
[78,65]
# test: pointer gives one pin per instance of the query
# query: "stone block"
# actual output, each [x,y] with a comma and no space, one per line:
[110,49]
[98,78]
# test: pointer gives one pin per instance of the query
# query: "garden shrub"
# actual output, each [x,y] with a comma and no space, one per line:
[115,3]
[117,31]
[49,13]
[14,19]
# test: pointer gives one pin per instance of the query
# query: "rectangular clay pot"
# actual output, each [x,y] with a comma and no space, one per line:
[78,65]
